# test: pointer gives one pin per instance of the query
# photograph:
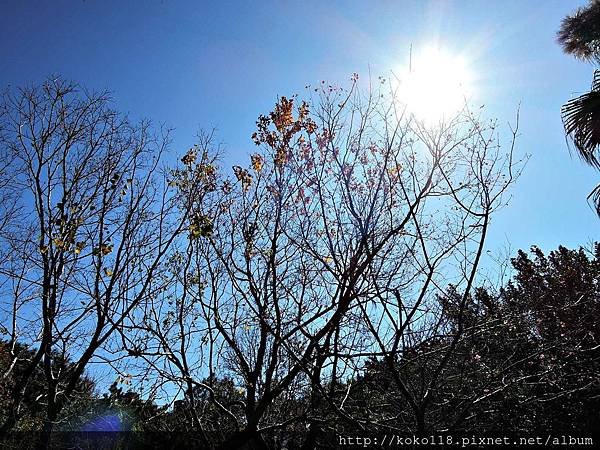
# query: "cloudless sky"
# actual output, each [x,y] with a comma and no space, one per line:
[192,64]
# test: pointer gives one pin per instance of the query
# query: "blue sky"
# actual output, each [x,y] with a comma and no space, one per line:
[192,64]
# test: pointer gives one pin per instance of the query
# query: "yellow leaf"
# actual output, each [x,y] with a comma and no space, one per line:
[201,225]
[78,247]
[103,250]
[257,162]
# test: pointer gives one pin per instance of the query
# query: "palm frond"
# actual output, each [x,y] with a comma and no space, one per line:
[594,198]
[579,34]
[581,119]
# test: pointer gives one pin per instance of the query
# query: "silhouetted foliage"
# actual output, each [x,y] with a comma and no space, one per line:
[14,359]
[579,35]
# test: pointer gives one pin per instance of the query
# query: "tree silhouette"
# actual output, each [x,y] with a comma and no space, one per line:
[329,246]
[95,222]
[579,36]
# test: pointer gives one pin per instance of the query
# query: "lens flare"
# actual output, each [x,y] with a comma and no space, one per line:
[104,424]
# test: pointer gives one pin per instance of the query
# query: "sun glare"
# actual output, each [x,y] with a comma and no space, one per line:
[434,85]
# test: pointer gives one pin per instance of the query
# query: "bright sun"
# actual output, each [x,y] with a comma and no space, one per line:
[434,85]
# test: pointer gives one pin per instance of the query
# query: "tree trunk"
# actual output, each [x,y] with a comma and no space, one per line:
[46,434]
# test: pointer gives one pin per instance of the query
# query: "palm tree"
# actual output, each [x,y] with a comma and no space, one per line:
[579,36]
[581,118]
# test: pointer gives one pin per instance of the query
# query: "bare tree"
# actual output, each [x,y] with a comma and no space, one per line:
[329,248]
[411,204]
[96,220]
[168,336]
